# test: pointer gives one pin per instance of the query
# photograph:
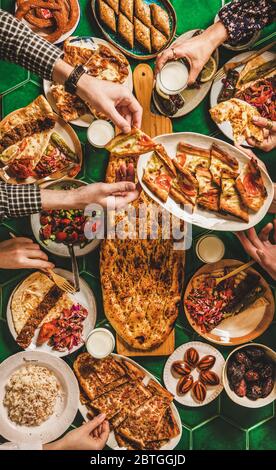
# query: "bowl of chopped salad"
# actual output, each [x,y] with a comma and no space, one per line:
[56,229]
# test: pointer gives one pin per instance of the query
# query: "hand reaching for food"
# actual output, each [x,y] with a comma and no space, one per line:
[108,196]
[197,50]
[260,248]
[21,253]
[90,436]
[269,129]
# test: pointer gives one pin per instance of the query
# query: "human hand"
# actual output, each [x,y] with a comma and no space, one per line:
[260,248]
[108,195]
[115,101]
[90,436]
[21,253]
[197,50]
[269,128]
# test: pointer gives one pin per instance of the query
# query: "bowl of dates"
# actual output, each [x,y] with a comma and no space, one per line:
[249,375]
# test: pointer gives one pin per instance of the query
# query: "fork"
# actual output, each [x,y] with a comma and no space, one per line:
[232,65]
[218,280]
[60,281]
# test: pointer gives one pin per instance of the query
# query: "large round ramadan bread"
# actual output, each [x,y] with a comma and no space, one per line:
[141,283]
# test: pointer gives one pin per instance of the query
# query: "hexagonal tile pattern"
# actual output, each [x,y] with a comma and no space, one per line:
[221,424]
[263,436]
[218,434]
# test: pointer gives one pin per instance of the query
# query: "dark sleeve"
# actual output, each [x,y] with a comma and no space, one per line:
[19,200]
[242,18]
[20,45]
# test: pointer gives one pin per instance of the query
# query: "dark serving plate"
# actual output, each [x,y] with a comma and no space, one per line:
[137,52]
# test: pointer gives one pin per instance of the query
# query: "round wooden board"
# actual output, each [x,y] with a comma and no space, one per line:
[226,339]
[69,136]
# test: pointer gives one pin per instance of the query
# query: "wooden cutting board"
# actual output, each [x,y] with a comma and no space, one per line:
[153,125]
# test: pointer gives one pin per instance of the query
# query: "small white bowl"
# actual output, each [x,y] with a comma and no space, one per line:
[109,336]
[100,132]
[204,248]
[244,401]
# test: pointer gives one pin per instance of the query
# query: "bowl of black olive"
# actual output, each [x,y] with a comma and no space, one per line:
[249,375]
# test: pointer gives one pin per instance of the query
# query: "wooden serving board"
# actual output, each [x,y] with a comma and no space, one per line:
[152,125]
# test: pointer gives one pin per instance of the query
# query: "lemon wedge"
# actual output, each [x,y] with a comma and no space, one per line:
[208,70]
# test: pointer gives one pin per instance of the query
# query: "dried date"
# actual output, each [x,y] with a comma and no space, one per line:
[191,356]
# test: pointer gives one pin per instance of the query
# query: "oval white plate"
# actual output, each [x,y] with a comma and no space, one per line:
[66,407]
[171,382]
[244,401]
[192,96]
[60,249]
[112,443]
[225,127]
[63,37]
[84,297]
[85,121]
[200,217]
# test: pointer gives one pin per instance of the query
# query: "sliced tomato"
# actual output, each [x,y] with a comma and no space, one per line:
[188,189]
[46,332]
[144,141]
[250,185]
[181,158]
[164,181]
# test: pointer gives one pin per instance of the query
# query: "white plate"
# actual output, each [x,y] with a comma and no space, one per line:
[171,382]
[84,297]
[192,96]
[112,443]
[60,249]
[85,121]
[63,37]
[200,217]
[68,135]
[244,401]
[225,127]
[66,407]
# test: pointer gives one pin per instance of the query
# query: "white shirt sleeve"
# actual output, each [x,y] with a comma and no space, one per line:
[34,445]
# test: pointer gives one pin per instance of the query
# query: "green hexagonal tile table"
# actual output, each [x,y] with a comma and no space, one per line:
[221,424]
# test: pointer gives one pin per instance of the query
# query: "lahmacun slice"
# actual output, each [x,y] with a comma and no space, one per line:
[126,30]
[208,192]
[222,161]
[184,188]
[230,201]
[157,177]
[160,19]
[132,144]
[190,157]
[127,8]
[142,12]
[158,40]
[251,187]
[142,34]
[107,15]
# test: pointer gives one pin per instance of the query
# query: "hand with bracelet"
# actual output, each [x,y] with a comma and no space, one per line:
[115,101]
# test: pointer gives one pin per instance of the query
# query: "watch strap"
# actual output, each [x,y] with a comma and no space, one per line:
[72,81]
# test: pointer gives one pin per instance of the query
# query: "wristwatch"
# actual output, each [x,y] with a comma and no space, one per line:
[72,81]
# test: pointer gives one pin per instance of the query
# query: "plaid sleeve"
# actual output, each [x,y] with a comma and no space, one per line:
[242,18]
[20,45]
[19,200]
